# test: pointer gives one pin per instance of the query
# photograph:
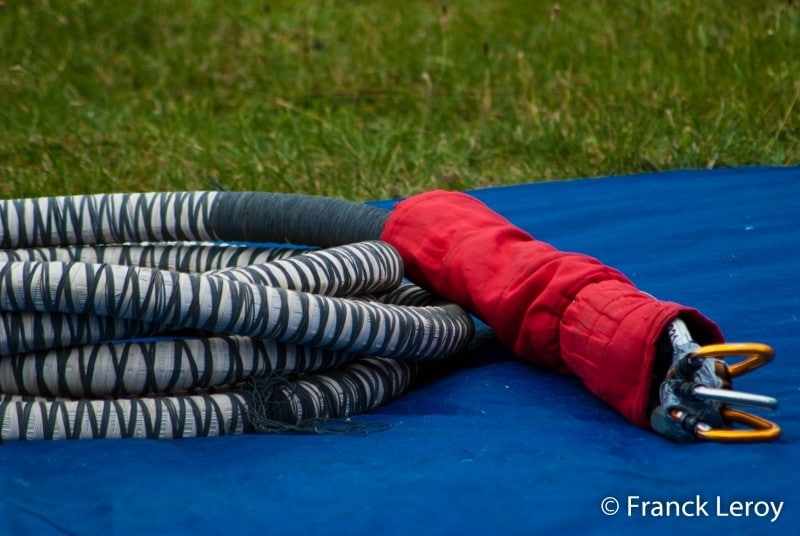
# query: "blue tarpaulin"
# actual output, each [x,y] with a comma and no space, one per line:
[497,446]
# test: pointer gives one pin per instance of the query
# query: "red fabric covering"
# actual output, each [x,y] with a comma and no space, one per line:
[565,310]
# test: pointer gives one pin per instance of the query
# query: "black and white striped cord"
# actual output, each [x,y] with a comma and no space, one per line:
[246,337]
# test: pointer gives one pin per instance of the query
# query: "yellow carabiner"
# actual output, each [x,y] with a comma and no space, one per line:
[760,429]
[755,428]
[756,355]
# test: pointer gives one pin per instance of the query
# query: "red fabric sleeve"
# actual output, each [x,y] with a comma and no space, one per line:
[565,310]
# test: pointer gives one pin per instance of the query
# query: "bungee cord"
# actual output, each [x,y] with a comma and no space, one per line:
[142,315]
[141,368]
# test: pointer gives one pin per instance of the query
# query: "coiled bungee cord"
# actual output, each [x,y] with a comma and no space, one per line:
[143,315]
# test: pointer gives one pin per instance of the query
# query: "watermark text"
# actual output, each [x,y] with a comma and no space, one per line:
[694,507]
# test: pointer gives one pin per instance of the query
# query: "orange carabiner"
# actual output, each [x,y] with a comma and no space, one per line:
[754,428]
[756,355]
[760,429]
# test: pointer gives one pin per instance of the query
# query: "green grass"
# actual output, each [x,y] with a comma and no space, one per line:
[375,99]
